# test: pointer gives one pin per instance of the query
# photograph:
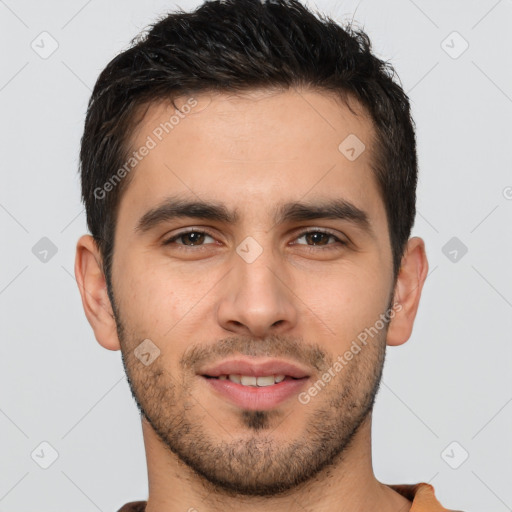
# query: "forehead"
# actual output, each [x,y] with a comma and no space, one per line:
[253,150]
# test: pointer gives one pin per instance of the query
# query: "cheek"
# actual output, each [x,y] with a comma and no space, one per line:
[147,298]
[161,302]
[344,303]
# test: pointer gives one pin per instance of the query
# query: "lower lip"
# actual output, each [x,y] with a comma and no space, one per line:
[254,397]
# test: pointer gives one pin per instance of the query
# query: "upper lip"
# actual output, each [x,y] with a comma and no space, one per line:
[256,368]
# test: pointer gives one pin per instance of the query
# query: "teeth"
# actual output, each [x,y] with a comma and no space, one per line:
[250,380]
[264,381]
[247,380]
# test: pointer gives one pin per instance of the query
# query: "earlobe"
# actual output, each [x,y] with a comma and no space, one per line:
[409,285]
[93,290]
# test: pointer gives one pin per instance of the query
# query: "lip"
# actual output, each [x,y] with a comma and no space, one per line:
[255,368]
[253,397]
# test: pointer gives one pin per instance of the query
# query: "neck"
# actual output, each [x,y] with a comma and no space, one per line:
[347,485]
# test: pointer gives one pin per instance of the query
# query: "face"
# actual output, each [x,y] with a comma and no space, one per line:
[281,270]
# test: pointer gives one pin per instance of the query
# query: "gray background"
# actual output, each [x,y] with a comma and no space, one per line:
[450,383]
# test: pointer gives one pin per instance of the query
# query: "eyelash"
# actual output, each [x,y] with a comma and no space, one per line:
[184,247]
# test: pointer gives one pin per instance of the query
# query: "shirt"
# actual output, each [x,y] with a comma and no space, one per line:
[422,496]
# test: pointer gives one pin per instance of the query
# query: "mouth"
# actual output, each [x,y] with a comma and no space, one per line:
[248,368]
[255,381]
[253,385]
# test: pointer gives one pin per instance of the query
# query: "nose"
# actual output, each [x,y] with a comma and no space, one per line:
[256,299]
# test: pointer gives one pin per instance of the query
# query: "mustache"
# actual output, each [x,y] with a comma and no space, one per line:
[294,349]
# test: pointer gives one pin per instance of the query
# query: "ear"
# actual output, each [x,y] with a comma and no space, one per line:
[93,289]
[411,277]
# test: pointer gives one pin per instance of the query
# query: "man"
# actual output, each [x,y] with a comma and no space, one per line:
[249,175]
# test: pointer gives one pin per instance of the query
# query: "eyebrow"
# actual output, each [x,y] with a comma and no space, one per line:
[175,208]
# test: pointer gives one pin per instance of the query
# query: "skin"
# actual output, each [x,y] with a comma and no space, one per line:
[203,303]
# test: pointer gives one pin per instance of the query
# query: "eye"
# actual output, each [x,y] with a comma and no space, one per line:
[318,238]
[190,238]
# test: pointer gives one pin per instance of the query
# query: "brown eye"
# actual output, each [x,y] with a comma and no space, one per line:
[318,238]
[188,238]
